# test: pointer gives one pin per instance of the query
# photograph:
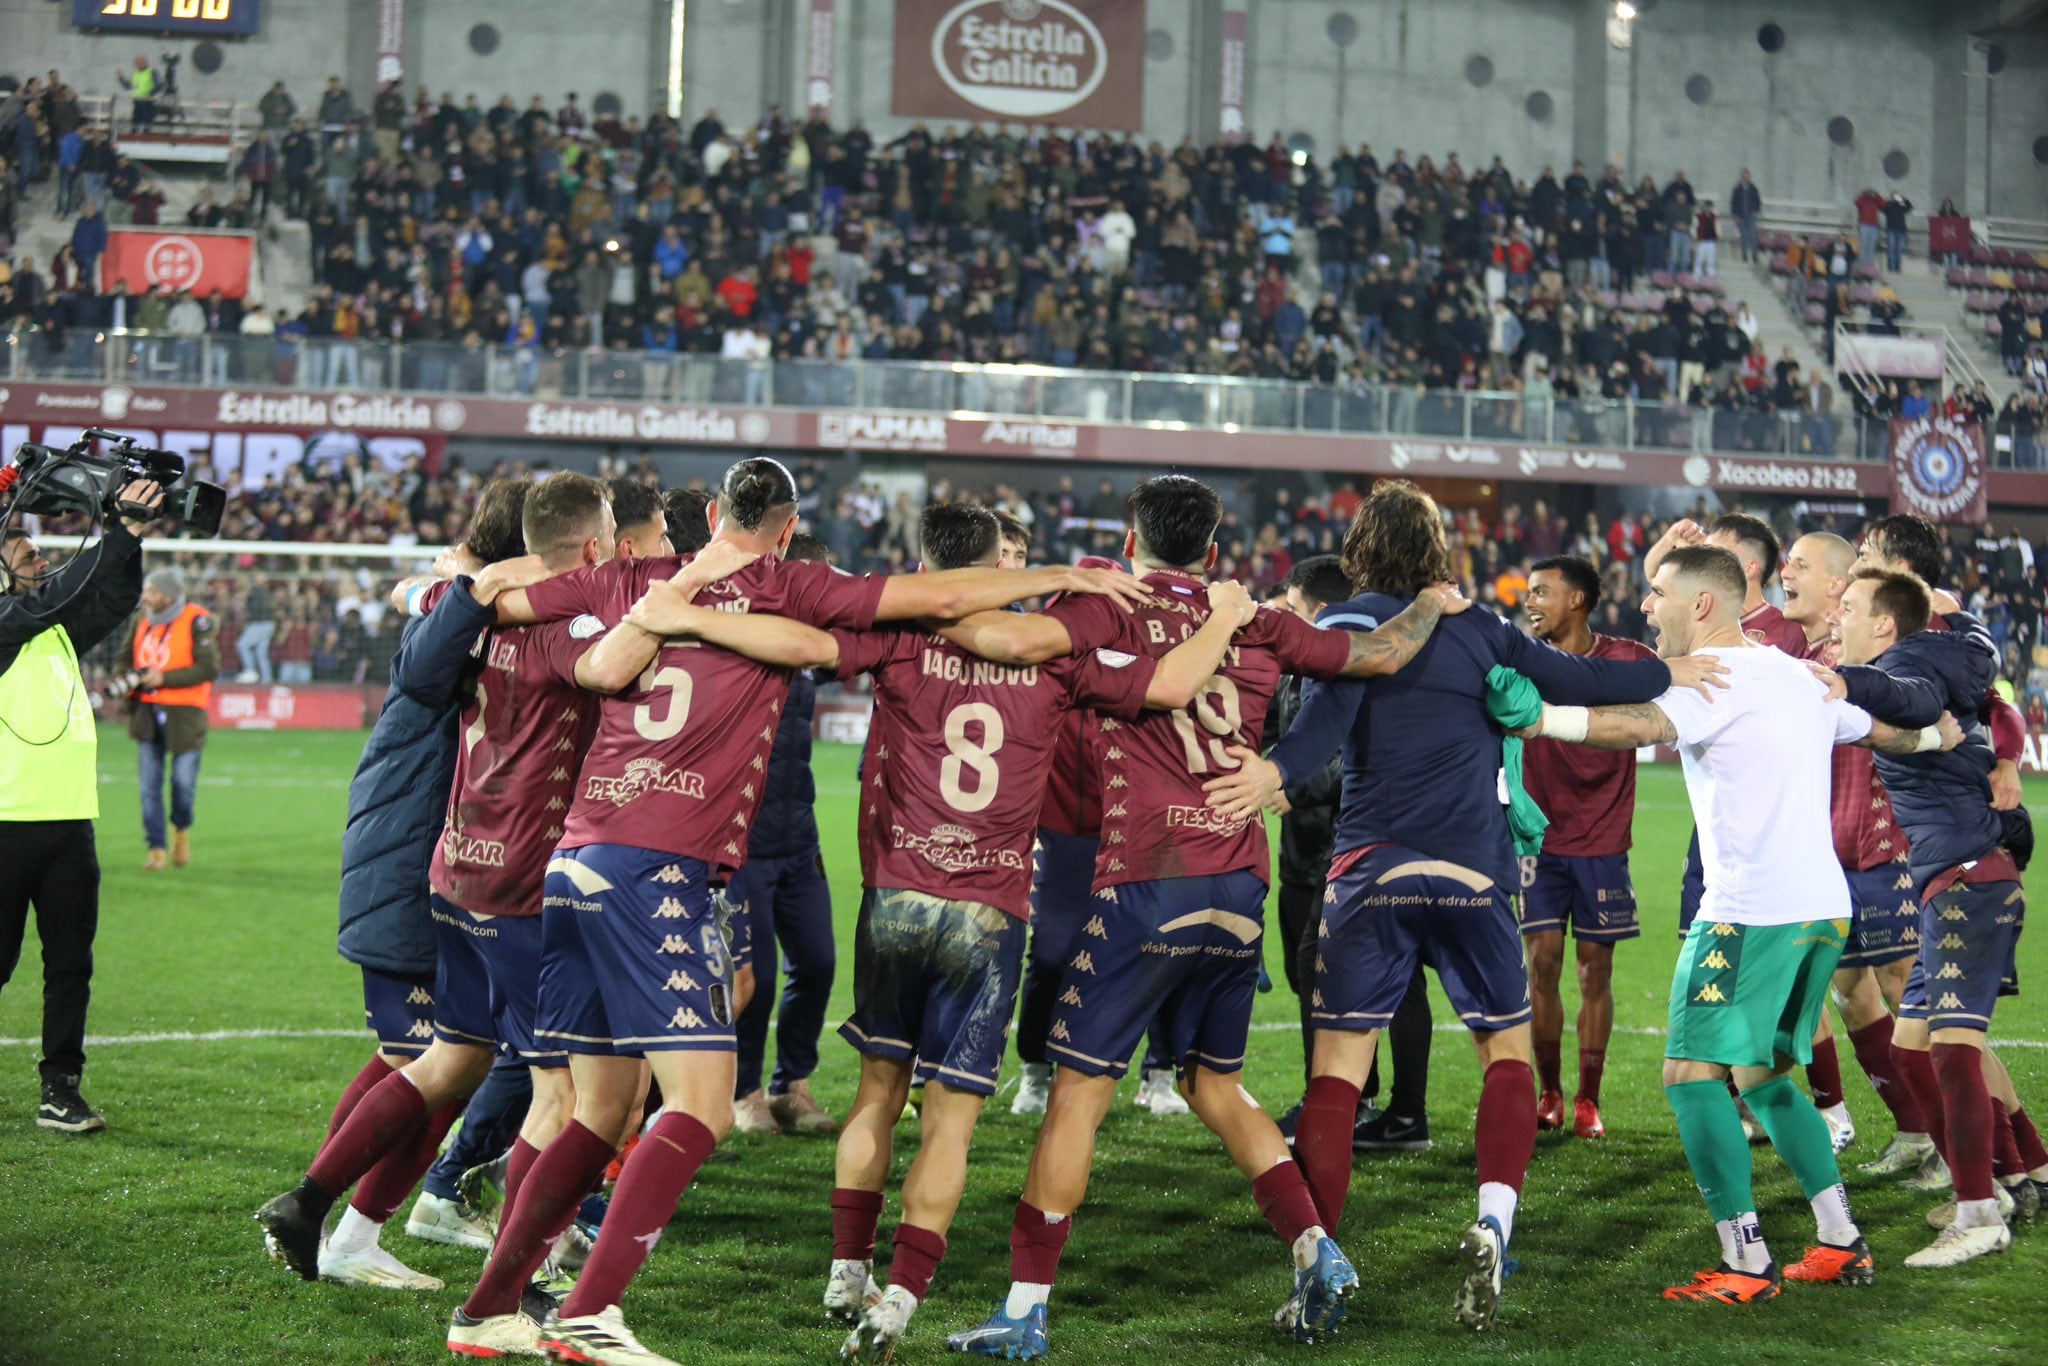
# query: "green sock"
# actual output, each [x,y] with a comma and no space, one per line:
[1710,1127]
[1798,1133]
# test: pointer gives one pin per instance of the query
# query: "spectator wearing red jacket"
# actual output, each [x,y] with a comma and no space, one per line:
[1869,211]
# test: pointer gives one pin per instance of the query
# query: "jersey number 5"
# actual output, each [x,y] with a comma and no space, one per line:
[1217,709]
[670,722]
[964,756]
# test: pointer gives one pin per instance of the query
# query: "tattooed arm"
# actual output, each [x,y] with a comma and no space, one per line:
[1375,654]
[1625,727]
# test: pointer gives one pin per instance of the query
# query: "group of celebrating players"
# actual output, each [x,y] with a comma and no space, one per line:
[603,713]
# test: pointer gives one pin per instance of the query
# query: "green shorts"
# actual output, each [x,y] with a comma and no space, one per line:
[1741,994]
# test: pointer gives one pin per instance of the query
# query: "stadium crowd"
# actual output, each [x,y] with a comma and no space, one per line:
[548,231]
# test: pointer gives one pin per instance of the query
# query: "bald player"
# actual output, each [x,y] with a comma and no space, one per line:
[1885,936]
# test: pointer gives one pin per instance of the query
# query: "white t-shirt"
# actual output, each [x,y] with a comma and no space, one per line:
[1757,760]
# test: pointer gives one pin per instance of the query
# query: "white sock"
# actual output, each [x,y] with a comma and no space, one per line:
[1831,1217]
[1499,1200]
[2010,1182]
[354,1232]
[1742,1243]
[2038,1174]
[1024,1295]
[1839,1113]
[1977,1213]
[1307,1245]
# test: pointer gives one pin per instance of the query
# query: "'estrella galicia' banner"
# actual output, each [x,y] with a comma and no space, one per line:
[1938,469]
[1073,63]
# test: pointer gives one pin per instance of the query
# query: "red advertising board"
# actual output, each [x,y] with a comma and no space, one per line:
[190,259]
[312,706]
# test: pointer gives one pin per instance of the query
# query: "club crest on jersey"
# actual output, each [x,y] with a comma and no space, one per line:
[641,777]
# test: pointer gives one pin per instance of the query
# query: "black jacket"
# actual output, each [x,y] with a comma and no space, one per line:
[1308,832]
[398,800]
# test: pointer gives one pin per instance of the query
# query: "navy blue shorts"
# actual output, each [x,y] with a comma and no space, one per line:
[1062,897]
[399,1011]
[632,961]
[1887,928]
[487,981]
[1395,907]
[1179,958]
[1969,948]
[935,980]
[1693,887]
[1591,894]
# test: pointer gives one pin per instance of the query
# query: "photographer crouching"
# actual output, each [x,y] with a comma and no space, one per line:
[49,780]
[176,660]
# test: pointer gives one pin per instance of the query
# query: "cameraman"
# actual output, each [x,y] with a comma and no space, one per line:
[49,781]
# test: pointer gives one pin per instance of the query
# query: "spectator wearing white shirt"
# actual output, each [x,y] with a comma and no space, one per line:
[1118,230]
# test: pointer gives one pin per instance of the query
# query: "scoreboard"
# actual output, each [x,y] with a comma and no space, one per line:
[186,18]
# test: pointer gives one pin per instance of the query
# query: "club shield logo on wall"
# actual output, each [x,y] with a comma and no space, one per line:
[1938,469]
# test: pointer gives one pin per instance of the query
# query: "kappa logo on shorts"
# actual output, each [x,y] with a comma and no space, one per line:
[1711,995]
[1315,998]
[1948,970]
[421,1030]
[1072,997]
[1717,960]
[1083,962]
[1954,913]
[686,1018]
[1059,1031]
[1321,966]
[420,996]
[1095,927]
[1329,899]
[1723,930]
[674,943]
[678,980]
[1950,940]
[1948,1001]
[669,909]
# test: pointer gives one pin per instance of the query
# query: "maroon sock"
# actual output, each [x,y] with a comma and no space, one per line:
[1824,1075]
[1915,1068]
[1550,1063]
[1283,1197]
[548,1197]
[854,1216]
[1036,1242]
[1873,1047]
[916,1259]
[2006,1161]
[517,1164]
[1966,1104]
[381,1121]
[1322,1144]
[653,1181]
[1592,1064]
[1507,1123]
[384,1188]
[2032,1153]
[374,1071]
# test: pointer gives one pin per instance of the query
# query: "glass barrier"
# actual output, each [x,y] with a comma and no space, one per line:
[1026,390]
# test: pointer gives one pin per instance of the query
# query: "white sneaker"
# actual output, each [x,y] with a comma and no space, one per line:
[571,1250]
[881,1327]
[435,1220]
[1933,1174]
[1944,1214]
[600,1339]
[374,1266]
[500,1335]
[1033,1089]
[751,1115]
[1904,1153]
[1953,1246]
[1841,1126]
[850,1289]
[1158,1094]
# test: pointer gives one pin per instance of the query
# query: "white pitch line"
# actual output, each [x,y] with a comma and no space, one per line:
[202,1036]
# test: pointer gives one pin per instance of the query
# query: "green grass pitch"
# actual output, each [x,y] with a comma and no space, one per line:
[136,1245]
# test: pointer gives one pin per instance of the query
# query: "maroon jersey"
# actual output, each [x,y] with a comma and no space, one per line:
[1767,626]
[1073,787]
[1867,835]
[1156,822]
[958,756]
[680,756]
[522,742]
[1589,794]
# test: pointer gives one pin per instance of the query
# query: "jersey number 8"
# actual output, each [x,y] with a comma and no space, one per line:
[964,755]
